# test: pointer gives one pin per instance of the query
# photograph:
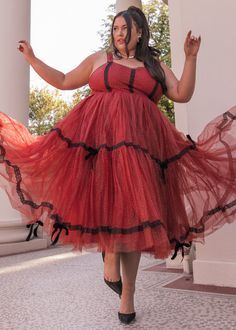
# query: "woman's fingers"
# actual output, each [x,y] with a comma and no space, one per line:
[192,44]
[191,37]
[23,42]
[189,34]
[21,48]
[192,40]
[25,48]
[22,45]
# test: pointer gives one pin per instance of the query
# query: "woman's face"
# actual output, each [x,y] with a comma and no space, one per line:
[119,34]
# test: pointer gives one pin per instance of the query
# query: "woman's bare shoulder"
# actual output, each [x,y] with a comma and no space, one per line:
[99,58]
[99,55]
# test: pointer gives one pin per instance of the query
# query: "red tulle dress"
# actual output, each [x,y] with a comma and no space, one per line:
[116,175]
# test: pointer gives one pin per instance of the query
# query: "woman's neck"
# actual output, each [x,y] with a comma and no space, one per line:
[125,55]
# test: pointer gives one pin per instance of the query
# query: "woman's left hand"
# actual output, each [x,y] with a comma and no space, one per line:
[191,45]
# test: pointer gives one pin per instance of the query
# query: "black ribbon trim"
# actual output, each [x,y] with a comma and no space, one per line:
[164,164]
[61,226]
[94,151]
[153,92]
[33,229]
[69,142]
[197,230]
[106,81]
[2,155]
[19,190]
[131,80]
[222,208]
[115,230]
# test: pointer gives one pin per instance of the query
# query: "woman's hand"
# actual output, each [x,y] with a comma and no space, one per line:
[25,48]
[191,45]
[182,90]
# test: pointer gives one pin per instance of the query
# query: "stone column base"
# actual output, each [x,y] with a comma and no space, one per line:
[219,273]
[176,263]
[13,236]
[21,247]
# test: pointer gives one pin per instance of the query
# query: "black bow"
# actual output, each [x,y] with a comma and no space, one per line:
[180,246]
[164,166]
[58,226]
[92,152]
[33,230]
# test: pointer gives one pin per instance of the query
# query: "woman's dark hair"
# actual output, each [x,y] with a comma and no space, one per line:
[145,53]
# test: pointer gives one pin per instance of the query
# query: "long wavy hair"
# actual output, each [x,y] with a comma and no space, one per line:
[144,53]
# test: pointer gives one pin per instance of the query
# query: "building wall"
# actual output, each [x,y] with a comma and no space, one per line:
[214,94]
[14,101]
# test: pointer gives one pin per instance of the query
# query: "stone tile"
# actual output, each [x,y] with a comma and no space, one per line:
[162,268]
[186,283]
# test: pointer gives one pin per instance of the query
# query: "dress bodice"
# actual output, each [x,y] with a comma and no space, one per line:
[112,76]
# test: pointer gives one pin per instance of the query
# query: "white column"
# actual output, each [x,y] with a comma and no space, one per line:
[125,4]
[215,93]
[14,100]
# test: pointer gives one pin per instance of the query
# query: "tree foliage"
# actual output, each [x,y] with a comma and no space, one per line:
[158,19]
[45,109]
[80,94]
[105,32]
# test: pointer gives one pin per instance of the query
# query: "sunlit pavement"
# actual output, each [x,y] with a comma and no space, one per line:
[58,289]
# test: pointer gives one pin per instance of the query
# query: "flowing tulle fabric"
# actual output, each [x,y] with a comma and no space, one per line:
[116,175]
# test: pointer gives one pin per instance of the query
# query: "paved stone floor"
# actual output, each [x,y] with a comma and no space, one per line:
[58,289]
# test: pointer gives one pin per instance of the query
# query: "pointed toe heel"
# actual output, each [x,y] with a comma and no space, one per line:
[126,318]
[115,286]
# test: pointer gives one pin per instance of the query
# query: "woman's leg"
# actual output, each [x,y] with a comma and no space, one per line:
[112,267]
[130,263]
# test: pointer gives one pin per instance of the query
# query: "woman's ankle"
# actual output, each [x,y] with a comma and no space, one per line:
[129,288]
[127,302]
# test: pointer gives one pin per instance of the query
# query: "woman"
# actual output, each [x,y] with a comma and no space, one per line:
[114,174]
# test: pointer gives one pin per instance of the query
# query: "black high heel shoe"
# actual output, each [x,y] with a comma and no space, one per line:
[126,318]
[115,286]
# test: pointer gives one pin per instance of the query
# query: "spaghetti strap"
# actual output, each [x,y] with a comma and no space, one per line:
[107,68]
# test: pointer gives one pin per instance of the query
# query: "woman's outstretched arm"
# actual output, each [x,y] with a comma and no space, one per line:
[182,90]
[74,79]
